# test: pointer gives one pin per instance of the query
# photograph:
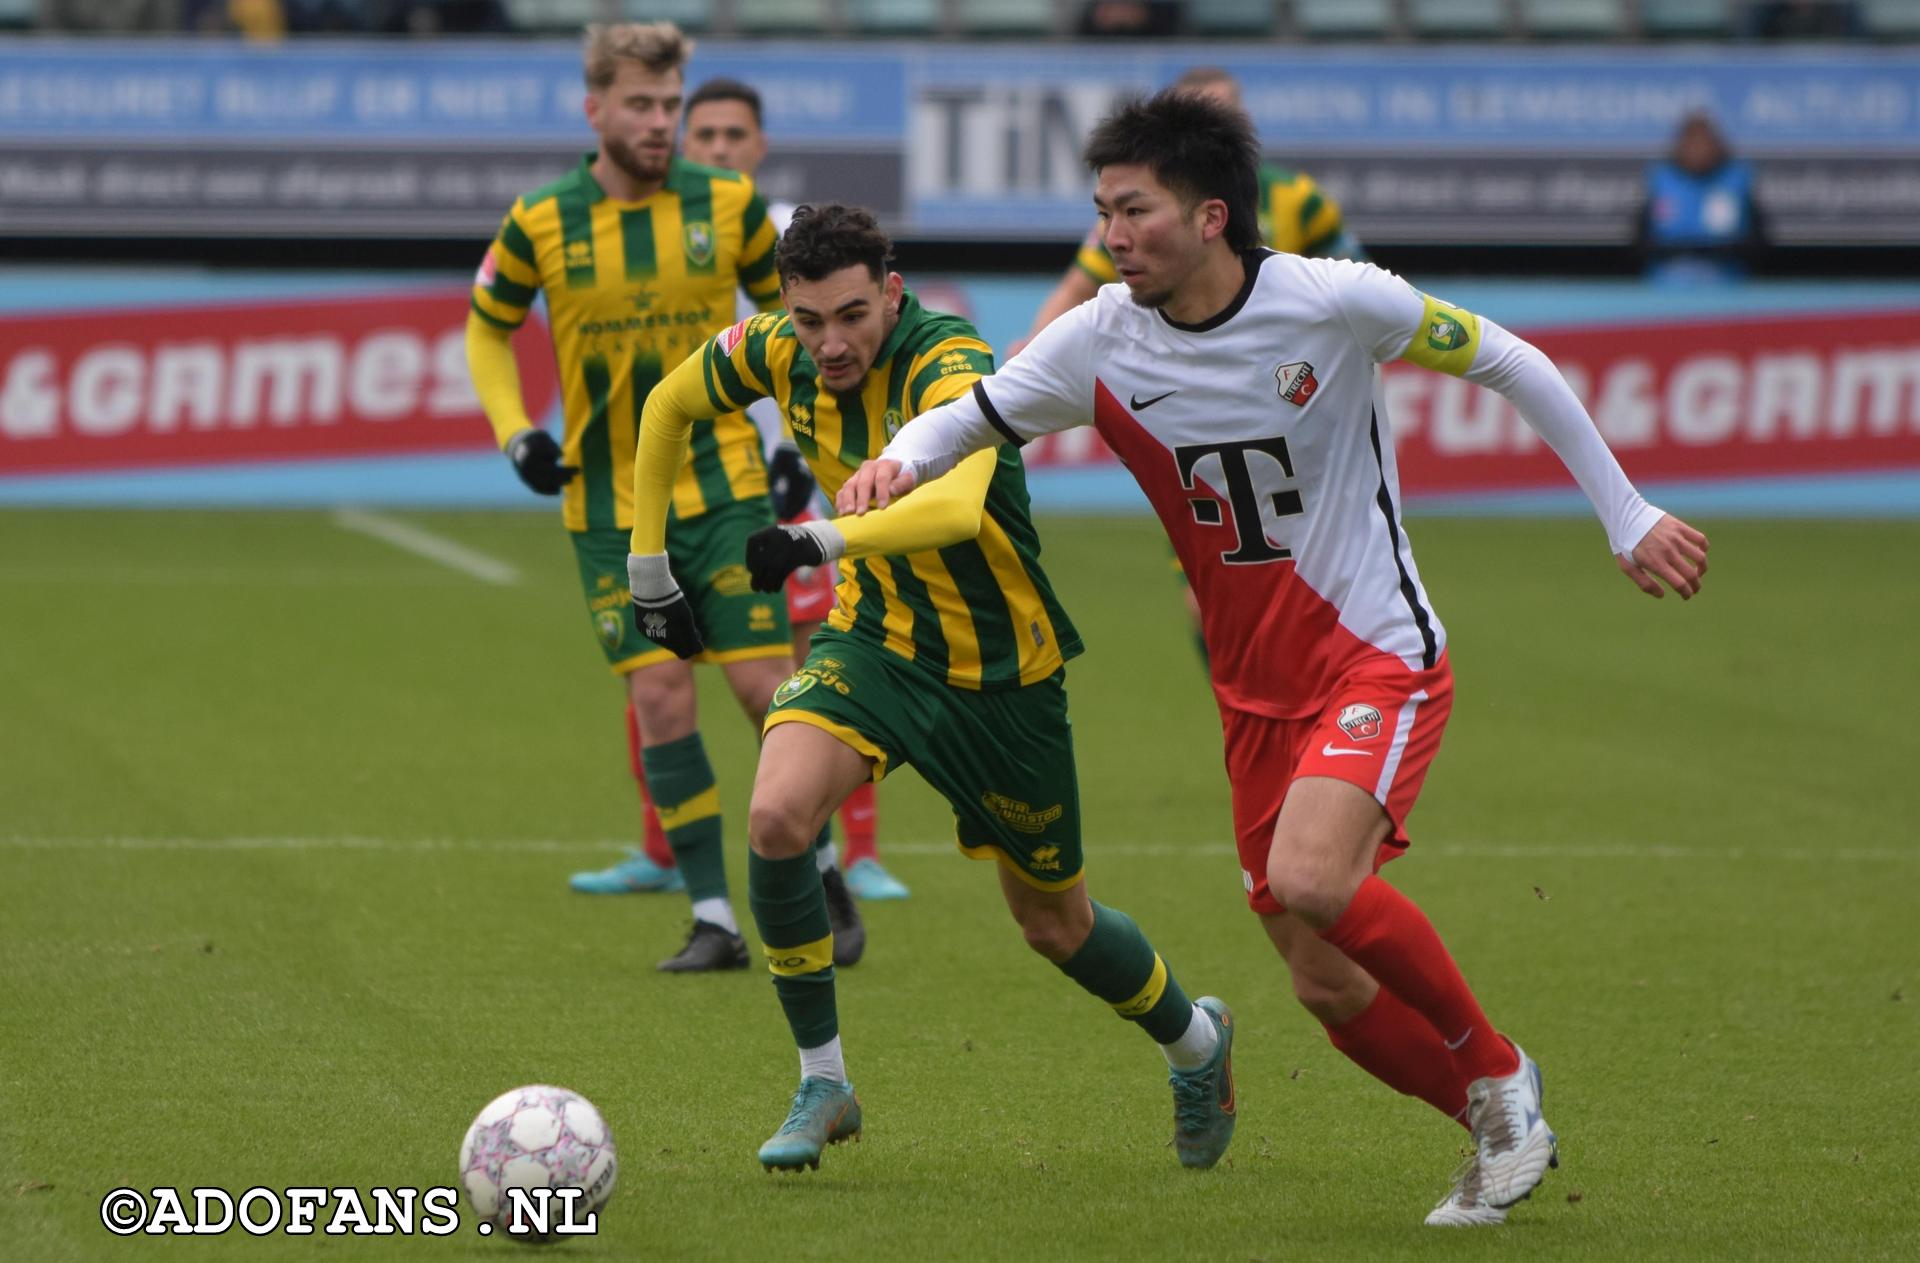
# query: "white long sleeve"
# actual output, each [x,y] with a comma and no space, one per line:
[1047,387]
[1521,372]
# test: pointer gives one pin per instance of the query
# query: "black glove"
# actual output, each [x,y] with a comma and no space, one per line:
[778,551]
[789,482]
[536,458]
[663,615]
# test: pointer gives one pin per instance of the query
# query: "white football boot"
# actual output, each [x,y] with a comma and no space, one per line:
[1514,1148]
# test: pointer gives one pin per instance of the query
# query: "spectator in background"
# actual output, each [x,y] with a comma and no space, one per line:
[1130,17]
[1804,19]
[1701,222]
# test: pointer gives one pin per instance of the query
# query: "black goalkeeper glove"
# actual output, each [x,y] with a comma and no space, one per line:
[778,551]
[536,458]
[660,607]
[789,482]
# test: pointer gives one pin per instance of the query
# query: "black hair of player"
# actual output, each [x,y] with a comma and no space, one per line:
[821,240]
[1199,149]
[724,89]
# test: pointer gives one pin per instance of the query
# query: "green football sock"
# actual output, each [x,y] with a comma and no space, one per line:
[681,782]
[790,908]
[1117,964]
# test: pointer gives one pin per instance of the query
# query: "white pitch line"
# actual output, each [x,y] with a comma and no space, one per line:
[1095,848]
[424,543]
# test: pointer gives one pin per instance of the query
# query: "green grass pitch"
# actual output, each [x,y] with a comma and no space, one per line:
[288,813]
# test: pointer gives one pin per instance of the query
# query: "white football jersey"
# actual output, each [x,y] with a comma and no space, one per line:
[1262,441]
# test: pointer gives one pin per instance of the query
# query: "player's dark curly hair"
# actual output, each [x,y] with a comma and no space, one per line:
[1200,150]
[727,90]
[820,240]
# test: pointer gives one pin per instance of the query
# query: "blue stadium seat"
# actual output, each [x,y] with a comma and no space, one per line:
[1686,19]
[1574,19]
[1008,17]
[1891,19]
[1448,19]
[1343,19]
[1230,17]
[780,17]
[557,16]
[894,17]
[688,15]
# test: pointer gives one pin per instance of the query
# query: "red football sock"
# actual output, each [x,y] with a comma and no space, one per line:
[1400,1048]
[1384,933]
[857,818]
[656,838]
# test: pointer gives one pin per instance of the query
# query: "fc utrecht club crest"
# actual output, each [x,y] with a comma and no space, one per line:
[1297,382]
[1359,721]
[699,237]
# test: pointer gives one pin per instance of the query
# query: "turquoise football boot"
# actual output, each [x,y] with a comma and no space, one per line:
[634,875]
[824,1113]
[1203,1099]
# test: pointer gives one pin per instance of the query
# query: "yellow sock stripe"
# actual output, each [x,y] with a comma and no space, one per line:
[702,805]
[1149,995]
[809,958]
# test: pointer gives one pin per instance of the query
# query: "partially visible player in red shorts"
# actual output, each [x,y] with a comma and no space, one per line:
[1378,731]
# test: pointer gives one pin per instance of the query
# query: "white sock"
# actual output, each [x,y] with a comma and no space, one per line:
[827,858]
[716,912]
[1195,1048]
[824,1062]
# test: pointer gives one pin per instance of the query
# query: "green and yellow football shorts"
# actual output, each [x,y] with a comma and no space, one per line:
[1003,759]
[708,556]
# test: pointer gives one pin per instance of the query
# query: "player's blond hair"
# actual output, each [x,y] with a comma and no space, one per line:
[659,46]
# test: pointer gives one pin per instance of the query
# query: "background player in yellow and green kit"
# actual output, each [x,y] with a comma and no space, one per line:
[947,650]
[639,254]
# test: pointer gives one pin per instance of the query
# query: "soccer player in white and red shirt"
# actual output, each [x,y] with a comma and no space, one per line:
[1242,390]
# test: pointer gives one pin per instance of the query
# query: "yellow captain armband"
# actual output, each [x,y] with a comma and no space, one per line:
[1447,339]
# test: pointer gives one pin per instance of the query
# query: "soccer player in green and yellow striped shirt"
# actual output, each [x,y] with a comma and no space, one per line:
[947,651]
[639,255]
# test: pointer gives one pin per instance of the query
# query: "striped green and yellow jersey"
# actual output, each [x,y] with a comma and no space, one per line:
[632,289]
[1295,218]
[979,614]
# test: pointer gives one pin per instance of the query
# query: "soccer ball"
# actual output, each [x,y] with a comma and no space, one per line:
[536,1137]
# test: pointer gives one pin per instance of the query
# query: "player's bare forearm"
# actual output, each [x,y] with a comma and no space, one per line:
[876,484]
[1672,553]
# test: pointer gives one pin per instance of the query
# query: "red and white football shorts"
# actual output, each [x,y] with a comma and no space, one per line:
[1379,729]
[810,588]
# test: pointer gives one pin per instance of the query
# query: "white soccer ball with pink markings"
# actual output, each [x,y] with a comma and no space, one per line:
[536,1137]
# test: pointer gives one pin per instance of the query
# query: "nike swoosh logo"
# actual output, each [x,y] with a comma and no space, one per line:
[1453,1045]
[1333,751]
[1139,403]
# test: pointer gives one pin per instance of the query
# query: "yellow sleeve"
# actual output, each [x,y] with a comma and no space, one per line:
[946,511]
[1094,260]
[758,275]
[496,377]
[666,423]
[727,373]
[509,277]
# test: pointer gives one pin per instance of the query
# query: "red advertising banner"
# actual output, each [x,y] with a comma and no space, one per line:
[1682,400]
[369,374]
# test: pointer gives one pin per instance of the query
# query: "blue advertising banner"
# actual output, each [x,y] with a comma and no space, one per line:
[1470,143]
